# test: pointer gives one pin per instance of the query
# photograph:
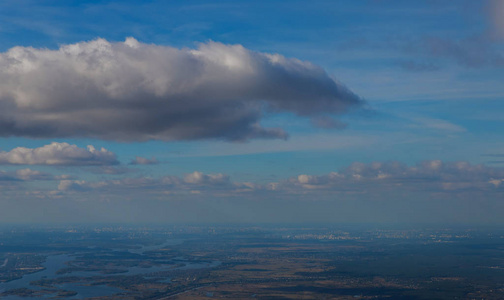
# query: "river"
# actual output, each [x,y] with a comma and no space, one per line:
[55,262]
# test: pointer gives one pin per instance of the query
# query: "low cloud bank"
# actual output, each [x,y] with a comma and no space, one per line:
[429,176]
[432,175]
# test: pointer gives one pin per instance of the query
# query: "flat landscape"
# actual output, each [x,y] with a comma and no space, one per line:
[247,262]
[223,149]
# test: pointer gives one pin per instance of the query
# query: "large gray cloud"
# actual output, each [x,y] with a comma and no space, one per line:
[132,91]
[59,154]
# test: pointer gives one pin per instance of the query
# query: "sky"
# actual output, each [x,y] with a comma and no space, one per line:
[133,111]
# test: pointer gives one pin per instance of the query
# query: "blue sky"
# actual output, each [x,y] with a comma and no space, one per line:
[356,82]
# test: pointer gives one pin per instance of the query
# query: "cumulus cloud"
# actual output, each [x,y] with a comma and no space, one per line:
[76,185]
[206,179]
[192,183]
[144,161]
[433,175]
[59,154]
[131,91]
[189,182]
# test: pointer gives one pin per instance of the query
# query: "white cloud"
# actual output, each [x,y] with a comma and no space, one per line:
[134,91]
[433,175]
[200,178]
[58,154]
[190,182]
[77,185]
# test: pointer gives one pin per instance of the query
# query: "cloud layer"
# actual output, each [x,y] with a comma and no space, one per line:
[429,176]
[195,181]
[59,154]
[433,175]
[131,91]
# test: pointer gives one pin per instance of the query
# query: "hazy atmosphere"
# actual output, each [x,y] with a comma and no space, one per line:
[262,111]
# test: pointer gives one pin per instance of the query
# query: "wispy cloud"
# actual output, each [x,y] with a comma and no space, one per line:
[438,124]
[413,66]
[496,12]
[144,161]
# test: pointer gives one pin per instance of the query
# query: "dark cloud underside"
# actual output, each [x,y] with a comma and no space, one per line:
[130,91]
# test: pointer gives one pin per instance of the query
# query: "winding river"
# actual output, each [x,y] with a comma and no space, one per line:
[55,262]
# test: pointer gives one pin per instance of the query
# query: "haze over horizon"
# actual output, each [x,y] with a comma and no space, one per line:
[251,112]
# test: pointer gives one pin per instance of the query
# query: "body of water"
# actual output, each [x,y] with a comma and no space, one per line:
[54,263]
